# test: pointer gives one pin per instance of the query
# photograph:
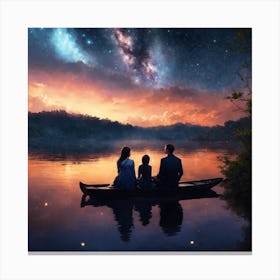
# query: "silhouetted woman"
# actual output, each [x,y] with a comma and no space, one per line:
[126,179]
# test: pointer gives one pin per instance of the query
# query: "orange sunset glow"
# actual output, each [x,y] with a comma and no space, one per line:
[117,74]
[139,139]
[151,107]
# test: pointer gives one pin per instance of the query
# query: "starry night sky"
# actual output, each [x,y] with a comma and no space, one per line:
[154,76]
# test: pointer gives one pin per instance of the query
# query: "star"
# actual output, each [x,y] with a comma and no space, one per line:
[155,56]
[67,48]
[137,80]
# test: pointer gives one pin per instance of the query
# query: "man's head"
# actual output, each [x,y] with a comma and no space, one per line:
[169,149]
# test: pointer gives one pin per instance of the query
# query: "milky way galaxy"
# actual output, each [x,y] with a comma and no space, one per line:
[144,76]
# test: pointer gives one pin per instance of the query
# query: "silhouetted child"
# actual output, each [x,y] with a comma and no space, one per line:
[145,173]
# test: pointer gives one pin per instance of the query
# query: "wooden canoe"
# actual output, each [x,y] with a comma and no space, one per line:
[185,188]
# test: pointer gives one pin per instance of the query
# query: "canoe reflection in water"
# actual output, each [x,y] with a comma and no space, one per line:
[171,212]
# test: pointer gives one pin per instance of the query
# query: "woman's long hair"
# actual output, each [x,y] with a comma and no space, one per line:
[125,153]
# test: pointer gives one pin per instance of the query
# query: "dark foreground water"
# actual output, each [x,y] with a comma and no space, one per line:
[61,219]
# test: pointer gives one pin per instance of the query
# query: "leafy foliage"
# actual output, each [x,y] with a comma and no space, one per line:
[238,171]
[238,183]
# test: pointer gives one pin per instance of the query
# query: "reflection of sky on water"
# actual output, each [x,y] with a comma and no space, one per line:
[57,221]
[197,165]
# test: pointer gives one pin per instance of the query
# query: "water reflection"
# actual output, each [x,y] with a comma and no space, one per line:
[110,147]
[60,220]
[144,208]
[200,164]
[123,215]
[239,200]
[170,215]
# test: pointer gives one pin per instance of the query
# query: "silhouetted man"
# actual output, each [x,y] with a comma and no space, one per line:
[171,170]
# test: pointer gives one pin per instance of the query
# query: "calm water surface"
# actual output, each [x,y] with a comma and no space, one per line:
[60,219]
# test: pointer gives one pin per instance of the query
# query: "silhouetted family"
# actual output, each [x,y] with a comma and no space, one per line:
[170,171]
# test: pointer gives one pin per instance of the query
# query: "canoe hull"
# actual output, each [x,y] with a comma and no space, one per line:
[189,188]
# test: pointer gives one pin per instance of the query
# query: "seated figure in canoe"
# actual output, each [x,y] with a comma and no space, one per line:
[145,174]
[126,179]
[171,170]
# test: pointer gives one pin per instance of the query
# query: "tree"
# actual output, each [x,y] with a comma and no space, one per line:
[238,171]
[242,99]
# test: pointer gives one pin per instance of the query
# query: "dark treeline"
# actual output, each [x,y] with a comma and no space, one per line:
[60,129]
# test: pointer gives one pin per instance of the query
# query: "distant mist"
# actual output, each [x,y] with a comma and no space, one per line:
[57,131]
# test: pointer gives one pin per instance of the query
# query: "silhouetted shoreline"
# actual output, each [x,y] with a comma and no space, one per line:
[59,132]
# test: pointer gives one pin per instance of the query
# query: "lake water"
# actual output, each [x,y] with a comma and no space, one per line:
[60,219]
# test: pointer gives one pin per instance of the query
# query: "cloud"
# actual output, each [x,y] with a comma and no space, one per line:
[82,89]
[83,73]
[37,104]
